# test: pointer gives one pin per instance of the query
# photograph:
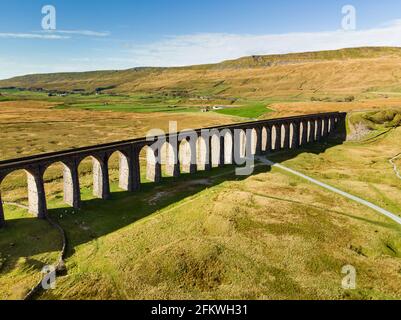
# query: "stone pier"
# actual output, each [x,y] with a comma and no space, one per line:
[258,141]
[319,127]
[36,193]
[129,170]
[101,185]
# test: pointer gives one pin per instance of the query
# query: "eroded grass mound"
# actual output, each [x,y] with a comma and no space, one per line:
[379,119]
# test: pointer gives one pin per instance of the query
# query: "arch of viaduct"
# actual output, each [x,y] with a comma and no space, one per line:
[180,152]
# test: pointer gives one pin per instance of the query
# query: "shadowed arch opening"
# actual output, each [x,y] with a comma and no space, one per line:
[85,172]
[308,131]
[123,170]
[114,164]
[325,127]
[54,183]
[143,164]
[312,130]
[150,165]
[330,124]
[94,178]
[319,127]
[14,194]
[35,201]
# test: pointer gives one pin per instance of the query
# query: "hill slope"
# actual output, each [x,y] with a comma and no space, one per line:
[214,236]
[346,71]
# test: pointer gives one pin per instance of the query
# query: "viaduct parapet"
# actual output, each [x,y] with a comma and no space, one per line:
[181,152]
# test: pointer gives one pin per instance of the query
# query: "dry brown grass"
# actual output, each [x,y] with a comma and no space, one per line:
[307,79]
[296,108]
[31,127]
[397,162]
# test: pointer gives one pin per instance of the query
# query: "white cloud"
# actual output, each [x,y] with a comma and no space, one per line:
[392,23]
[32,36]
[88,33]
[195,49]
[215,47]
[53,34]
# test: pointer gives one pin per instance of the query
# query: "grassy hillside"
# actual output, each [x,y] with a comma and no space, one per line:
[340,72]
[32,127]
[328,55]
[215,235]
[211,235]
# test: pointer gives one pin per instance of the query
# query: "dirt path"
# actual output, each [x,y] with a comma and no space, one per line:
[370,205]
[397,172]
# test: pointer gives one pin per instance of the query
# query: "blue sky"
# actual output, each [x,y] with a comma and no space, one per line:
[121,34]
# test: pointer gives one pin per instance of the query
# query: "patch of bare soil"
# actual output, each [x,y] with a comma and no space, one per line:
[359,132]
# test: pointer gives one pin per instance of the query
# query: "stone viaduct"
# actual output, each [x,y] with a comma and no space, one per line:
[180,152]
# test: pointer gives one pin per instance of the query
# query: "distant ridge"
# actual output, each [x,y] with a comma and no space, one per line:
[359,69]
[347,53]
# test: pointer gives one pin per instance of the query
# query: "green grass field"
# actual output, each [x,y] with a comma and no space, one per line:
[129,108]
[139,103]
[250,110]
